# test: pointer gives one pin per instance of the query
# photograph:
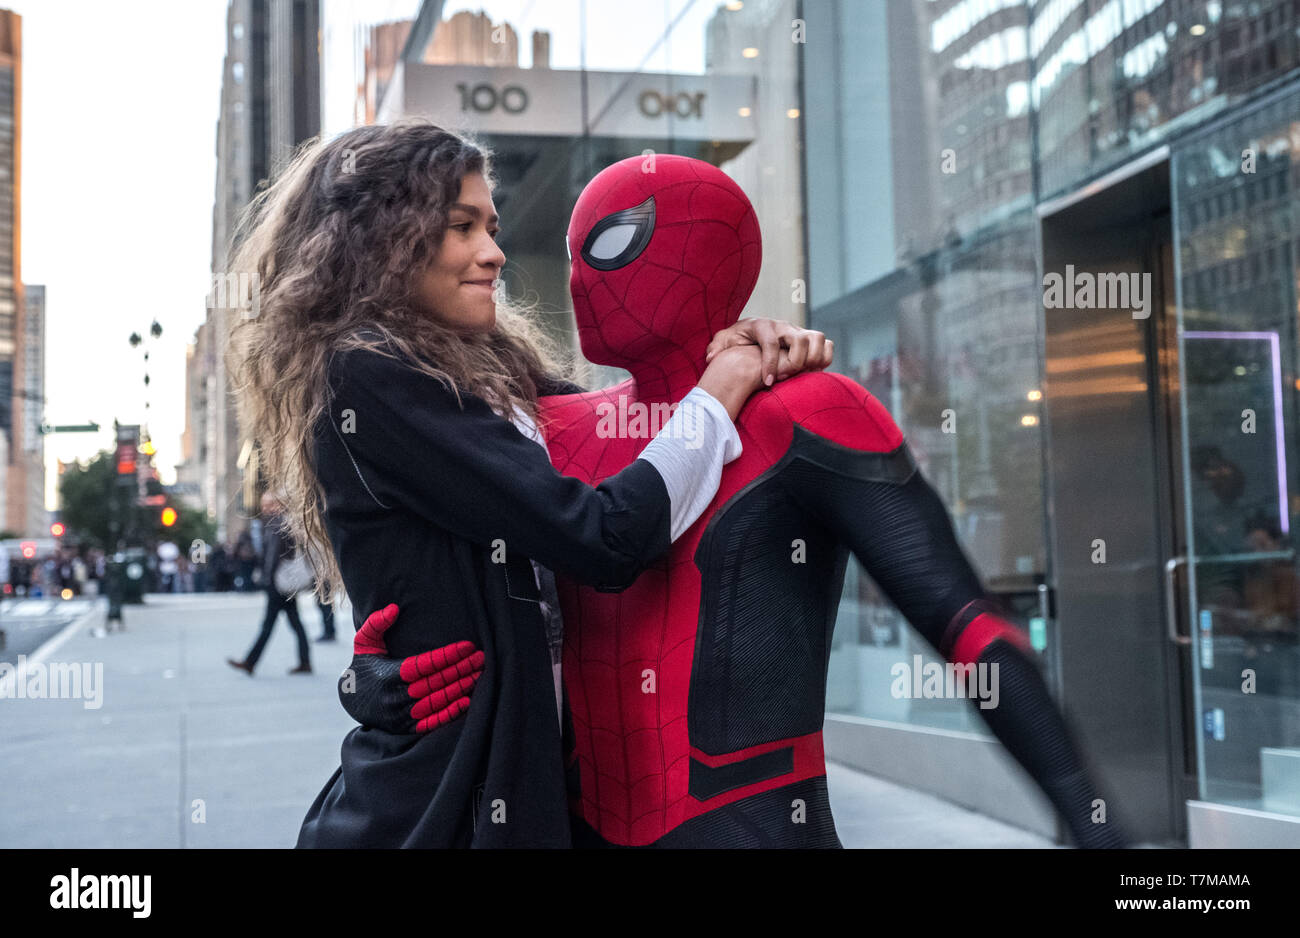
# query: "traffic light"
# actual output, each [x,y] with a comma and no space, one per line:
[57,529]
[168,516]
[127,455]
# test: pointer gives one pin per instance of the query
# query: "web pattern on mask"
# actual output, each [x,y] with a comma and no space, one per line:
[692,281]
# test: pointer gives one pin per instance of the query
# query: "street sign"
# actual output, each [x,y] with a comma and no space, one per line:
[45,428]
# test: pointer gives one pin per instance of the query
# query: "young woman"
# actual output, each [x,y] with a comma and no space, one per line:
[393,398]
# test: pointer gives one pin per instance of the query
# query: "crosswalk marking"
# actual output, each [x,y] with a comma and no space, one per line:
[27,607]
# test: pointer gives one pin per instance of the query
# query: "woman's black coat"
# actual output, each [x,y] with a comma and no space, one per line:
[419,492]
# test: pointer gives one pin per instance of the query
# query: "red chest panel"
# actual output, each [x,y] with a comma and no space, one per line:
[628,656]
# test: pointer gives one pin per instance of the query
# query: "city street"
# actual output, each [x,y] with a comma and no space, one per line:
[187,752]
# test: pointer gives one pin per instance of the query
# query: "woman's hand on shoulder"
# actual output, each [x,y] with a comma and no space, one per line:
[754,353]
[737,372]
[804,349]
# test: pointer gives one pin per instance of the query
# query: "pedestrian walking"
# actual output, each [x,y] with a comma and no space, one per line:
[277,547]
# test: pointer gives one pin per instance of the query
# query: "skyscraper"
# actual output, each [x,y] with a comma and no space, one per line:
[29,451]
[12,311]
[270,102]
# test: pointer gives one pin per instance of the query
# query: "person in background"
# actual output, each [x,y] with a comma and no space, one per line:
[21,576]
[200,579]
[245,562]
[97,563]
[64,574]
[168,567]
[276,548]
[221,563]
[327,620]
[78,573]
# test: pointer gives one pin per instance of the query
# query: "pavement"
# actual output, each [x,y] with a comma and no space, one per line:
[171,747]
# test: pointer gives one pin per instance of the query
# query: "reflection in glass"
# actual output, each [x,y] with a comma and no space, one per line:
[1239,388]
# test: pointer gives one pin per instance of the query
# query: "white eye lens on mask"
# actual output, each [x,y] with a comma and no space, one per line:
[612,242]
[618,239]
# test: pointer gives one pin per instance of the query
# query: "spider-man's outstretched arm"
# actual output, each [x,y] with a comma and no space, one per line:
[880,505]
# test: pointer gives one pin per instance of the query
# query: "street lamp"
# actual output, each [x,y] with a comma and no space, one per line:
[136,340]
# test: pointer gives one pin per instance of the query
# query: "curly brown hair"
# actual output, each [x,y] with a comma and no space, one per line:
[335,244]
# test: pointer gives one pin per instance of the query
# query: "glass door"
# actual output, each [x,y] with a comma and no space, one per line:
[1235,200]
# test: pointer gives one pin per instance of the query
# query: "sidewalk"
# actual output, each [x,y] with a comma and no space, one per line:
[187,752]
[872,812]
[177,724]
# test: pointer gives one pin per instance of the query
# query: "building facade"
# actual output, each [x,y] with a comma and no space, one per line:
[1119,467]
[22,313]
[195,441]
[32,454]
[270,103]
[12,303]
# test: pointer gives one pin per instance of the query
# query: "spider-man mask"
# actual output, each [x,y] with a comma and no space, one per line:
[665,252]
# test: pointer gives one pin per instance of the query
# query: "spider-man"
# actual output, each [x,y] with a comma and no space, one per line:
[697,695]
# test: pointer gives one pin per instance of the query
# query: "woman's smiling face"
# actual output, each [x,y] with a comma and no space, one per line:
[458,287]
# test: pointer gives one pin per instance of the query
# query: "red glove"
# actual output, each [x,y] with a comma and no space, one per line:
[411,695]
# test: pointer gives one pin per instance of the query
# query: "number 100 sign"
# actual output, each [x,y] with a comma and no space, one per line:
[485,98]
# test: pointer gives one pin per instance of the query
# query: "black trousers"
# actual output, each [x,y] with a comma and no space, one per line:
[275,604]
[327,619]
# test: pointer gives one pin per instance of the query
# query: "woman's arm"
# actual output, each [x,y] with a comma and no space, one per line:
[473,473]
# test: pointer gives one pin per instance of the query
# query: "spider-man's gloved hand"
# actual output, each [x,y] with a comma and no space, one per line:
[406,695]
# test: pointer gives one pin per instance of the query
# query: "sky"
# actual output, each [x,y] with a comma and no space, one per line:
[118,166]
[120,106]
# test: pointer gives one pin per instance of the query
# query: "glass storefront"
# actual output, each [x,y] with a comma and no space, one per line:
[1112,78]
[949,345]
[922,268]
[933,131]
[1236,213]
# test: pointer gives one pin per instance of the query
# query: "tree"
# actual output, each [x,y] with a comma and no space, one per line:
[85,495]
[98,511]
